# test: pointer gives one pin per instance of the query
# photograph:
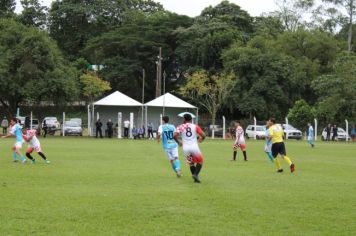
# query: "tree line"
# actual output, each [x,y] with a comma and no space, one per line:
[300,57]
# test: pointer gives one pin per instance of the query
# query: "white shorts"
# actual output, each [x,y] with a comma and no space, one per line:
[18,145]
[191,150]
[172,153]
[31,147]
[268,148]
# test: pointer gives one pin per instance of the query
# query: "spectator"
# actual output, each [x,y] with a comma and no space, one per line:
[45,128]
[150,130]
[116,129]
[135,133]
[4,125]
[109,126]
[353,133]
[141,132]
[126,128]
[98,130]
[334,133]
[328,131]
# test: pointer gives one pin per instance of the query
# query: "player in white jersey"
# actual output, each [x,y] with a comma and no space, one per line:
[239,142]
[33,144]
[191,134]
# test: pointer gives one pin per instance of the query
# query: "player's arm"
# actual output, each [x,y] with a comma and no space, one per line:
[175,137]
[201,134]
[159,132]
[8,135]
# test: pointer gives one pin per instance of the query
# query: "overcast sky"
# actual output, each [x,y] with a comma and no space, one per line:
[194,7]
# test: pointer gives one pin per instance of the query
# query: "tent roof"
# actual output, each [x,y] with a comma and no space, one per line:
[117,99]
[169,100]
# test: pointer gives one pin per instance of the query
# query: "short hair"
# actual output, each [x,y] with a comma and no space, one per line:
[14,119]
[165,119]
[237,122]
[187,117]
[273,120]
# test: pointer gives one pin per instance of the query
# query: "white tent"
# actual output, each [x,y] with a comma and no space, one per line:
[170,105]
[109,107]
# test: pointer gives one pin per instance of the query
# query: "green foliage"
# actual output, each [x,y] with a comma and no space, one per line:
[336,91]
[32,68]
[7,8]
[93,86]
[210,91]
[301,114]
[33,14]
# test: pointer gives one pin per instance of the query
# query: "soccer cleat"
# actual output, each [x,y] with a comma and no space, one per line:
[280,170]
[47,162]
[196,179]
[16,161]
[24,161]
[179,174]
[292,168]
[33,161]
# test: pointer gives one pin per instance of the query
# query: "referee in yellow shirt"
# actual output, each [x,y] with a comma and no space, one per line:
[276,135]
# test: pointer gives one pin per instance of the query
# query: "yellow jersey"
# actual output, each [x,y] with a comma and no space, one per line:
[276,133]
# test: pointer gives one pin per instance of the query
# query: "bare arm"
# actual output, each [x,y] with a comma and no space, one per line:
[175,136]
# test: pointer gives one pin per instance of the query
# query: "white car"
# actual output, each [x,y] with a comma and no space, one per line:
[51,122]
[291,133]
[341,134]
[260,131]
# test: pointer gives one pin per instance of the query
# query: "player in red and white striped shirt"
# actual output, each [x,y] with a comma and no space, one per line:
[191,134]
[240,141]
[33,144]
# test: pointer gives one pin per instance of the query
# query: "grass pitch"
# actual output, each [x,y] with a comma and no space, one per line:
[126,187]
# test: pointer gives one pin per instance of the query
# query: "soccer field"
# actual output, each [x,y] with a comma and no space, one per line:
[126,187]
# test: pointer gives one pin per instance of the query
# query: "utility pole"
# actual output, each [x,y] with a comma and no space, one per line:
[159,74]
[143,94]
[164,92]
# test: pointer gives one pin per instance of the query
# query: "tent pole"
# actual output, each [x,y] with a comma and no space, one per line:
[93,122]
[197,115]
[145,119]
[89,120]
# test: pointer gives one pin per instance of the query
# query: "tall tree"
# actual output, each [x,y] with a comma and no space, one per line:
[7,8]
[209,91]
[93,86]
[32,68]
[33,14]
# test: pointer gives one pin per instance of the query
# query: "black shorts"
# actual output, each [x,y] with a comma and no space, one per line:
[278,148]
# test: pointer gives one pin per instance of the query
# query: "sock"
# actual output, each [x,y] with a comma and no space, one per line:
[177,164]
[173,166]
[287,160]
[14,155]
[23,158]
[245,155]
[192,169]
[269,154]
[277,163]
[42,155]
[29,156]
[235,153]
[198,168]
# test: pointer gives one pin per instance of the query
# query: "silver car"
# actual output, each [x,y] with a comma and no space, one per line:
[72,128]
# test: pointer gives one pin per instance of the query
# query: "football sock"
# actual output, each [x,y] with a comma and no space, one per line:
[29,156]
[198,168]
[14,156]
[42,155]
[277,163]
[269,154]
[192,169]
[235,153]
[177,164]
[173,166]
[245,155]
[287,160]
[23,158]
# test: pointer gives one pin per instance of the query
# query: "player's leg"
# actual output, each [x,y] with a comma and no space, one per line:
[14,154]
[283,153]
[17,150]
[176,161]
[243,149]
[275,150]
[234,148]
[41,154]
[198,161]
[29,156]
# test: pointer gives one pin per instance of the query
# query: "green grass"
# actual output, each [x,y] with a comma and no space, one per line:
[122,187]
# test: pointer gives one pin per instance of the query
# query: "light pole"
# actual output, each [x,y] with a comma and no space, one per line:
[159,73]
[143,94]
[164,92]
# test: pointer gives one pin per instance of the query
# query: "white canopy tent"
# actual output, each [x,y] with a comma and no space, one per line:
[109,107]
[169,105]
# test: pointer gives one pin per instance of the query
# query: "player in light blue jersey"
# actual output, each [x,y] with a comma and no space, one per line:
[16,131]
[166,133]
[268,145]
[310,135]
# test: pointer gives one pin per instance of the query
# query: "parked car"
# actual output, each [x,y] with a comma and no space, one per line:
[260,131]
[291,133]
[72,128]
[341,135]
[21,119]
[52,123]
[78,120]
[36,125]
